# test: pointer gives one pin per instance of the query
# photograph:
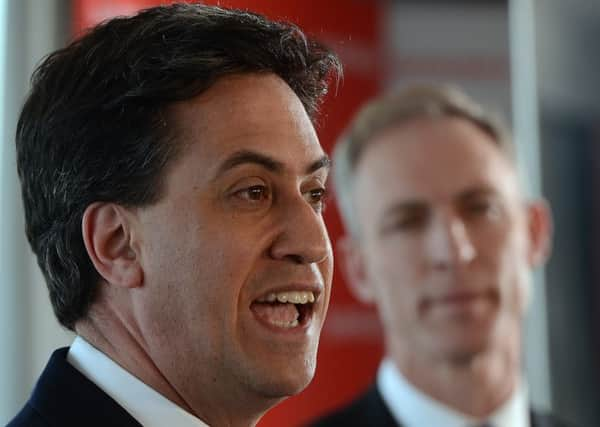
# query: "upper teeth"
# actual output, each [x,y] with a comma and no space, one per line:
[293,297]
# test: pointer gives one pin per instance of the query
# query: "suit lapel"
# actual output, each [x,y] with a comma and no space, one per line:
[378,410]
[65,397]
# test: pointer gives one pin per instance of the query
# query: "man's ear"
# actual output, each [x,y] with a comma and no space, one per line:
[106,230]
[539,221]
[354,267]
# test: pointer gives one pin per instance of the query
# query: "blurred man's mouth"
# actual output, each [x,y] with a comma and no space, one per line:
[460,298]
[463,302]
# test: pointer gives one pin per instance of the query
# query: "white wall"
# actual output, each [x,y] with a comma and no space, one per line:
[28,330]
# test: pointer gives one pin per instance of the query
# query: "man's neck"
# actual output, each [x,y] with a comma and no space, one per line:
[107,331]
[475,386]
[125,349]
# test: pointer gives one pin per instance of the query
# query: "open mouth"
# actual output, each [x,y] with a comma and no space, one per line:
[285,310]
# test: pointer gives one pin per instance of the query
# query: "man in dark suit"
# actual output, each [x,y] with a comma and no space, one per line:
[173,181]
[371,410]
[441,240]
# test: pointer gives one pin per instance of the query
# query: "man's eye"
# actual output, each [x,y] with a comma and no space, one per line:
[487,208]
[406,223]
[317,197]
[256,193]
[480,206]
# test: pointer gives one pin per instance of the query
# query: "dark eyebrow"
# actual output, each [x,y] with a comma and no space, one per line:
[476,192]
[269,163]
[245,156]
[323,162]
[398,210]
[404,207]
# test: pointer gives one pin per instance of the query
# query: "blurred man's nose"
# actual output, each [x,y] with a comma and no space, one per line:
[448,242]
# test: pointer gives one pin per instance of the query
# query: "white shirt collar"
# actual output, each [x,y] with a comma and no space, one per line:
[146,405]
[413,408]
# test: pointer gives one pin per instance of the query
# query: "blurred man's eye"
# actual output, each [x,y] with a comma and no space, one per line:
[486,207]
[407,222]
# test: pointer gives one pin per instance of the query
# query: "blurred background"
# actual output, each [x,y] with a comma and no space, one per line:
[535,61]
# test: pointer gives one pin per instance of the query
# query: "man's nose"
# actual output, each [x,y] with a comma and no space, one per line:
[449,243]
[303,238]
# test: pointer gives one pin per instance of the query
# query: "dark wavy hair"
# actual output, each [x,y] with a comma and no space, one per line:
[93,128]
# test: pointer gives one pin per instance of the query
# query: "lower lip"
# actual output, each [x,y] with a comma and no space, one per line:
[463,303]
[303,323]
[460,299]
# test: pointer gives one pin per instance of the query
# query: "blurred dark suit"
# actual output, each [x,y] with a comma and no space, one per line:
[370,410]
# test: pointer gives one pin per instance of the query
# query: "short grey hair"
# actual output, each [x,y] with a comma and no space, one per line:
[392,109]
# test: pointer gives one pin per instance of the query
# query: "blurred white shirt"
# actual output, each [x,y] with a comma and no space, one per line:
[410,407]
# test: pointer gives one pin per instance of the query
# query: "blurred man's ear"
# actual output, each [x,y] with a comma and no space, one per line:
[108,240]
[540,228]
[354,267]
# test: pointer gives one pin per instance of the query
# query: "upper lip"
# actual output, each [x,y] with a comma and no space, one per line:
[315,287]
[460,296]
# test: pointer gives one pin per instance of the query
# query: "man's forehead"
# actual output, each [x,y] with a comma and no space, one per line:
[398,181]
[430,150]
[469,194]
[416,180]
[247,113]
[243,93]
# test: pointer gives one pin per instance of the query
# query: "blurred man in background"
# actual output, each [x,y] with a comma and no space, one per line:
[442,241]
[173,181]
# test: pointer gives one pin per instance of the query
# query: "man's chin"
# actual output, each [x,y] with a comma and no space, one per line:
[464,357]
[284,381]
[467,350]
[278,389]
[275,368]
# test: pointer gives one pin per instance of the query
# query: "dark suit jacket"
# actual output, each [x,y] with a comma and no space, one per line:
[64,397]
[370,410]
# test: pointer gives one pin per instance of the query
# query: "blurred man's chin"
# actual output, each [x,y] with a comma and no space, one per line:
[464,339]
[464,350]
[465,356]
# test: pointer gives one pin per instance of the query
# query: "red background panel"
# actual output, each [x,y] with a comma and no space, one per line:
[350,346]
